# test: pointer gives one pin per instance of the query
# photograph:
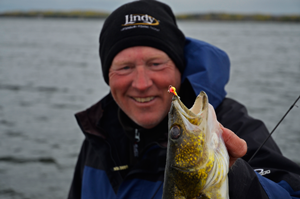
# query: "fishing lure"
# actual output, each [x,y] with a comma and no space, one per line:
[172,89]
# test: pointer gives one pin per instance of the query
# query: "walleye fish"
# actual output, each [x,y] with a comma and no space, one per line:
[197,159]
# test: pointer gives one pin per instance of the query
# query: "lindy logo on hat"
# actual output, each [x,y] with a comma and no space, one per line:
[140,19]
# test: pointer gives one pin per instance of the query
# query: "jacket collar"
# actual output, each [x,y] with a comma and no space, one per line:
[158,134]
[89,120]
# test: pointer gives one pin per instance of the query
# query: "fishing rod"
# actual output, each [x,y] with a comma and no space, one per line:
[294,104]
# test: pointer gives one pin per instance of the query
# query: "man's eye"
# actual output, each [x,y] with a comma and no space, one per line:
[124,70]
[156,64]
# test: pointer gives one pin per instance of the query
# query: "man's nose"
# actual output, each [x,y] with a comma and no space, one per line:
[142,79]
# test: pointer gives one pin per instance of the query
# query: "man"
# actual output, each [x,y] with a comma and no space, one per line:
[142,52]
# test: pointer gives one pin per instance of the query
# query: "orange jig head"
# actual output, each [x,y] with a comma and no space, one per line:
[172,89]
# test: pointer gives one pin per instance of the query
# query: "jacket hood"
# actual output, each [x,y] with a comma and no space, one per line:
[207,69]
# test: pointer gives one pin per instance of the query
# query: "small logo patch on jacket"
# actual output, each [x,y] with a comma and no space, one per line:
[119,168]
[262,171]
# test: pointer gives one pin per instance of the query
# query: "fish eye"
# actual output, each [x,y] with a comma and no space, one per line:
[175,132]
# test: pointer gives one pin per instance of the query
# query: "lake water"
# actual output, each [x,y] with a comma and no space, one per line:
[49,70]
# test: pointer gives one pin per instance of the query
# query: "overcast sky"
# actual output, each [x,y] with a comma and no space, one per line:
[178,6]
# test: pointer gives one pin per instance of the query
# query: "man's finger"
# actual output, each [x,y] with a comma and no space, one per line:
[236,146]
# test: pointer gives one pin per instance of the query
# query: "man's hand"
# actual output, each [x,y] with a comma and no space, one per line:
[236,146]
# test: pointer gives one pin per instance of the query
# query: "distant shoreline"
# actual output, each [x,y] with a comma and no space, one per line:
[196,16]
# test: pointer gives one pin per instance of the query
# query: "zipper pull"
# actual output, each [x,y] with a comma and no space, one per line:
[137,135]
[135,145]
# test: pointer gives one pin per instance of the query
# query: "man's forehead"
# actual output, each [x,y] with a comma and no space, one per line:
[139,52]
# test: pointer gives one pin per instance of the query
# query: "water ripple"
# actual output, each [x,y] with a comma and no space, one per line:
[47,89]
[11,193]
[18,160]
[67,106]
[7,123]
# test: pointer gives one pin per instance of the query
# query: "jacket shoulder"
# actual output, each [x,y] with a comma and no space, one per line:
[88,119]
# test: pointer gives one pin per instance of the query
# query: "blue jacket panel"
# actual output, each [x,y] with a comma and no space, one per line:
[278,190]
[294,194]
[138,188]
[96,185]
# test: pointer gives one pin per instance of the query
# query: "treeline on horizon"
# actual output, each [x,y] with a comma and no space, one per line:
[200,17]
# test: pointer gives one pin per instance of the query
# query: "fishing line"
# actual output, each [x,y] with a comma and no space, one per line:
[274,129]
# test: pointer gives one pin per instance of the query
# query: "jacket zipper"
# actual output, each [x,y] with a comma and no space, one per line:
[136,141]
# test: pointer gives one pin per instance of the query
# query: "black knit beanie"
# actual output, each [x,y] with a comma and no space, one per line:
[141,23]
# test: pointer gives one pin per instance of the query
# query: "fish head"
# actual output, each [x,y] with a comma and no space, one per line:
[187,133]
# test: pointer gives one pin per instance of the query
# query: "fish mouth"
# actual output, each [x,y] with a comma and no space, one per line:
[143,99]
[195,115]
[179,106]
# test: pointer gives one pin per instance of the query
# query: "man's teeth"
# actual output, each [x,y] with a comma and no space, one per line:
[146,99]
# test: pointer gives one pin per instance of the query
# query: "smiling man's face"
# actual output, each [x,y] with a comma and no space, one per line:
[139,78]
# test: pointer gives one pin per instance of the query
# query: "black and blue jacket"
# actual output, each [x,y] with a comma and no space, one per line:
[109,167]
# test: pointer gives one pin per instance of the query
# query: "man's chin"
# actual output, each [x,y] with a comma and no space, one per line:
[146,124]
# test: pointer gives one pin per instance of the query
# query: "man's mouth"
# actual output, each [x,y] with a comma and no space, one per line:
[143,99]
